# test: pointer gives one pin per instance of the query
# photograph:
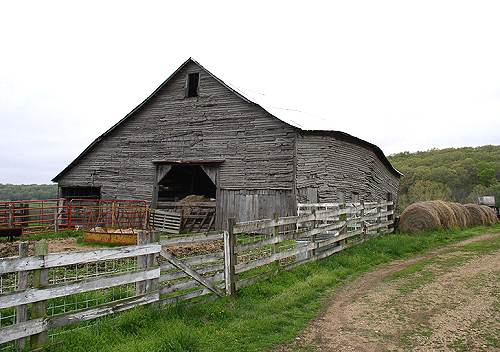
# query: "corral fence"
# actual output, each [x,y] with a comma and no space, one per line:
[41,294]
[35,216]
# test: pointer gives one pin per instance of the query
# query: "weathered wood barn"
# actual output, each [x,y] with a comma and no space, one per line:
[196,135]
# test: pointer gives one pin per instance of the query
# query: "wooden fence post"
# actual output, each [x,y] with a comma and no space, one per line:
[11,216]
[39,309]
[56,216]
[152,261]
[313,237]
[379,216]
[390,207]
[362,220]
[230,258]
[22,310]
[276,232]
[142,263]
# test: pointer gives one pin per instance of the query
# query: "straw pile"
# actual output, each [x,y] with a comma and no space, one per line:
[431,215]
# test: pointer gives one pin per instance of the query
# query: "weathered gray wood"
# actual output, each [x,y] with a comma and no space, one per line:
[239,268]
[179,286]
[197,260]
[22,284]
[107,309]
[191,239]
[39,308]
[22,330]
[15,264]
[142,262]
[265,242]
[177,263]
[230,258]
[36,295]
[252,226]
[180,274]
[263,164]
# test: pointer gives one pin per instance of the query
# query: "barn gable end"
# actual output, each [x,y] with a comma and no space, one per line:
[257,149]
[255,164]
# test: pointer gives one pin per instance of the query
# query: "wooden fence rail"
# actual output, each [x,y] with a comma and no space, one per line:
[255,250]
[173,268]
[55,277]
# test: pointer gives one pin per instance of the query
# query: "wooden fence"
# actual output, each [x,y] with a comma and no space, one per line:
[255,250]
[48,291]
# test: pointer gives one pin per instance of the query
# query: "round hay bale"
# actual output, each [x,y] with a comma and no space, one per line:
[491,216]
[477,215]
[445,213]
[461,214]
[419,217]
[468,216]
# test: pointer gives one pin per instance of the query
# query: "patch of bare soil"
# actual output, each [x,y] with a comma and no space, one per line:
[10,249]
[450,303]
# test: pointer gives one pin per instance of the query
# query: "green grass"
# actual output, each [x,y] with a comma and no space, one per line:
[263,315]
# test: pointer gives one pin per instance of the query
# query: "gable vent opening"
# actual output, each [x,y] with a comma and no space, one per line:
[193,82]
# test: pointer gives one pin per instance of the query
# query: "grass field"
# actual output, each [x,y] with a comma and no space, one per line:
[262,316]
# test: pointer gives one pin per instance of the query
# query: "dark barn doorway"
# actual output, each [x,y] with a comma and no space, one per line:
[189,189]
[185,180]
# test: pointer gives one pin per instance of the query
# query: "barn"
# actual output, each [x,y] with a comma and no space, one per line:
[196,135]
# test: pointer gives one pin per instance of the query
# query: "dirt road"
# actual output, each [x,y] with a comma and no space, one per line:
[447,300]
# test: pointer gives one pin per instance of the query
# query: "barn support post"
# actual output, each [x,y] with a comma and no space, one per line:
[230,258]
[39,309]
[22,310]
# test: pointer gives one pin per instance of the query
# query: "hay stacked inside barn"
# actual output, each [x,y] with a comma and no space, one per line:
[433,215]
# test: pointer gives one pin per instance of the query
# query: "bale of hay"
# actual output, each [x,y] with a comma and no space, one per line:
[477,215]
[490,214]
[194,198]
[419,217]
[445,212]
[463,216]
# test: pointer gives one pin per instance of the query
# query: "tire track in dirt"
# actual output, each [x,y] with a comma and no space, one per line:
[436,308]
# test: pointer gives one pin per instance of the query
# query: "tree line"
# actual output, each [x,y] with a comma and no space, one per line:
[21,192]
[454,174]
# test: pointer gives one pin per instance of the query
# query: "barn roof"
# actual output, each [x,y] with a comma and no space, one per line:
[289,116]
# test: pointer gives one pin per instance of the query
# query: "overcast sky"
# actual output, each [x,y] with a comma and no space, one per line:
[405,75]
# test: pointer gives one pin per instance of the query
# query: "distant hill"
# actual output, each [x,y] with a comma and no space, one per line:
[457,174]
[18,192]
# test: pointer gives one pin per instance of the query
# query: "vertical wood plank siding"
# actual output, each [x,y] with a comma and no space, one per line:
[329,168]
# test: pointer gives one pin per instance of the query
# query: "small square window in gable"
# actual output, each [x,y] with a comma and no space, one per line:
[193,82]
